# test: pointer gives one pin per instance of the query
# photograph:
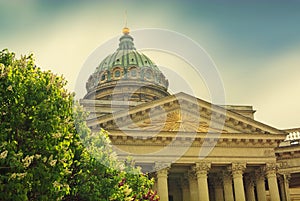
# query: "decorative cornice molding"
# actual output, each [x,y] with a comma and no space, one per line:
[175,138]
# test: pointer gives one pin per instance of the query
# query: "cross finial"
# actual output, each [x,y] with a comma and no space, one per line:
[125,29]
[125,18]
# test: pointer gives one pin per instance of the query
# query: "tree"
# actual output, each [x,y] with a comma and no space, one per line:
[98,175]
[46,150]
[36,131]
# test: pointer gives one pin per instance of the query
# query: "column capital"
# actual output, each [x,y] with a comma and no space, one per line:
[284,177]
[271,169]
[161,165]
[238,168]
[287,176]
[162,169]
[191,175]
[260,174]
[227,176]
[202,168]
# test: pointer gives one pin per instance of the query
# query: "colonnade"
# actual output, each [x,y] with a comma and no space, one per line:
[233,183]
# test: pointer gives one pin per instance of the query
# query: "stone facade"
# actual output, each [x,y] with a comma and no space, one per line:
[196,151]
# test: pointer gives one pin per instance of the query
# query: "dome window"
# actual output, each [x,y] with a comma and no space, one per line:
[118,60]
[132,59]
[133,73]
[148,74]
[146,62]
[103,77]
[117,73]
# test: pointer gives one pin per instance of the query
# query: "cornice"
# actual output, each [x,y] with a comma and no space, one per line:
[194,139]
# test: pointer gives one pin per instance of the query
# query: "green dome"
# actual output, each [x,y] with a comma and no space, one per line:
[126,64]
[125,57]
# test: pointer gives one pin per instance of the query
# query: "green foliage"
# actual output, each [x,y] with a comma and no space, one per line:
[36,131]
[97,173]
[47,152]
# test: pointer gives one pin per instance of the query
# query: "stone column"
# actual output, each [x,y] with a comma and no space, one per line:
[284,186]
[260,184]
[185,189]
[162,181]
[281,187]
[237,174]
[201,172]
[286,178]
[272,181]
[211,190]
[227,185]
[249,185]
[218,186]
[193,185]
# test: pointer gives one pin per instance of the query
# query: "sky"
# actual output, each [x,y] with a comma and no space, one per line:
[255,45]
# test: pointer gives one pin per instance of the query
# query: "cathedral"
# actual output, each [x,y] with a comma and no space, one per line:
[195,150]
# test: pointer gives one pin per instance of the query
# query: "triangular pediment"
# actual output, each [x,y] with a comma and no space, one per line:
[181,112]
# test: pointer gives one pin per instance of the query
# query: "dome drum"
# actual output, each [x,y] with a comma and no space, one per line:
[127,90]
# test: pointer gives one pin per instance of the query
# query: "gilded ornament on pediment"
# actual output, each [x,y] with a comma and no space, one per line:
[174,121]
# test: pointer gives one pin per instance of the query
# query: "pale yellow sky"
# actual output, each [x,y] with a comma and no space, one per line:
[256,54]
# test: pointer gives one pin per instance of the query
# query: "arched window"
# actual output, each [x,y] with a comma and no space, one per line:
[149,75]
[103,77]
[133,73]
[117,73]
